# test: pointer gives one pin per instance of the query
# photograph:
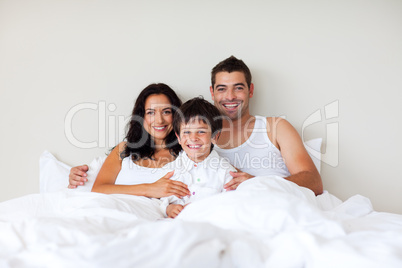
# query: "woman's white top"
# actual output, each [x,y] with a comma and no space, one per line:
[132,174]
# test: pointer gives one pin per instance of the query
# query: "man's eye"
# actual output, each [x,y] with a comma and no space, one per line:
[220,89]
[239,88]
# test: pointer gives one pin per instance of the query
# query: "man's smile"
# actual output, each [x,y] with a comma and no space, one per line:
[231,105]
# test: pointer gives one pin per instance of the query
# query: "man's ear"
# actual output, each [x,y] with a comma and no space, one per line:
[211,89]
[251,91]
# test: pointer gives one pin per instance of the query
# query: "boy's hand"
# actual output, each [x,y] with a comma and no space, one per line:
[173,210]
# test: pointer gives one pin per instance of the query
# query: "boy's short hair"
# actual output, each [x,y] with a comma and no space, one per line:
[198,108]
[231,64]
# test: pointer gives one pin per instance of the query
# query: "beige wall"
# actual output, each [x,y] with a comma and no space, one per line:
[306,56]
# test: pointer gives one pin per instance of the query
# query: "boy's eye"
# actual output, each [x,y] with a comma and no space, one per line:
[186,132]
[201,132]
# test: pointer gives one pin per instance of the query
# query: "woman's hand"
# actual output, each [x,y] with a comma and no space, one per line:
[173,210]
[165,187]
[78,176]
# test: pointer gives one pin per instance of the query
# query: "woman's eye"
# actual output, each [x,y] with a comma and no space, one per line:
[167,112]
[150,113]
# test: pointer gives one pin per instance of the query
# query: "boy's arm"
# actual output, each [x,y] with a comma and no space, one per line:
[166,201]
[173,210]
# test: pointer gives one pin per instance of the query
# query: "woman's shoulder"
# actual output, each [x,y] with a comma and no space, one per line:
[119,149]
[122,145]
[176,163]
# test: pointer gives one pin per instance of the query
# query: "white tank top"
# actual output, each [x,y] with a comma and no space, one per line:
[131,173]
[257,156]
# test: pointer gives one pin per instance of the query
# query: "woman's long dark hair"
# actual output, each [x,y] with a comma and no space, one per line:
[139,143]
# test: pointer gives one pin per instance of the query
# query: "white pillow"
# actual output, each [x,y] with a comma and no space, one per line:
[313,148]
[53,174]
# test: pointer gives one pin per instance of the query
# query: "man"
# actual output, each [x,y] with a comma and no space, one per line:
[256,145]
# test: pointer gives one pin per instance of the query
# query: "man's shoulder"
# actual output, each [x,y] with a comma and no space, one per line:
[275,122]
[275,119]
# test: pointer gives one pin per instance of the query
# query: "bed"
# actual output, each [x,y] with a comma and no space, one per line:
[266,222]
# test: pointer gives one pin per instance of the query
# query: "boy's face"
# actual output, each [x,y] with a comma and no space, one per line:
[195,138]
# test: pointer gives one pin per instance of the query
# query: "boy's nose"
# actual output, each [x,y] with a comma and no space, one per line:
[193,136]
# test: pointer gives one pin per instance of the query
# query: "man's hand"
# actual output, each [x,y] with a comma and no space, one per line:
[173,210]
[78,176]
[238,177]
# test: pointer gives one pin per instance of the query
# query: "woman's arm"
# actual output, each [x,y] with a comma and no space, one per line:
[105,181]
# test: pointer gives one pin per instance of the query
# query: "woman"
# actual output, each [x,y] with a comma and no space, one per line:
[136,166]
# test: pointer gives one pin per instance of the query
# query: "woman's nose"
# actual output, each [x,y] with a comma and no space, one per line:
[159,118]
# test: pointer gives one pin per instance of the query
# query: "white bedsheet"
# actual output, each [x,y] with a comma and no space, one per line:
[266,222]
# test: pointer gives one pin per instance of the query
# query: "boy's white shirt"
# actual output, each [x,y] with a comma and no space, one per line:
[203,179]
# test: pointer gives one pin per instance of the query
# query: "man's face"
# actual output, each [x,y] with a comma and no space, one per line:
[196,138]
[231,94]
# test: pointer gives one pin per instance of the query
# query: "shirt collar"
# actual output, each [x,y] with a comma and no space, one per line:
[211,162]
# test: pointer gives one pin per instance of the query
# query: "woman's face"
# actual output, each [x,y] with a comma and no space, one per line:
[158,117]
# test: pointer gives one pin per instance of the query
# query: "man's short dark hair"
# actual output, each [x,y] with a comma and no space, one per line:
[231,64]
[198,109]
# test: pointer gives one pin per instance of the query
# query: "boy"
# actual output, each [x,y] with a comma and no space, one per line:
[197,125]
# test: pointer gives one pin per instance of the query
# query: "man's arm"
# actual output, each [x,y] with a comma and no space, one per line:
[301,167]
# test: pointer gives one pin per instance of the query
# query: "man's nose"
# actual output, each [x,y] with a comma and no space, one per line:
[230,95]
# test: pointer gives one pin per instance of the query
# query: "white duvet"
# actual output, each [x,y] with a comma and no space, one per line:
[266,222]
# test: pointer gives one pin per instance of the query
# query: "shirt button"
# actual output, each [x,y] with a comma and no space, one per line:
[195,165]
[198,179]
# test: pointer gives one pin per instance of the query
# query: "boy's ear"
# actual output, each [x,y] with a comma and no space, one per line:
[216,137]
[178,137]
